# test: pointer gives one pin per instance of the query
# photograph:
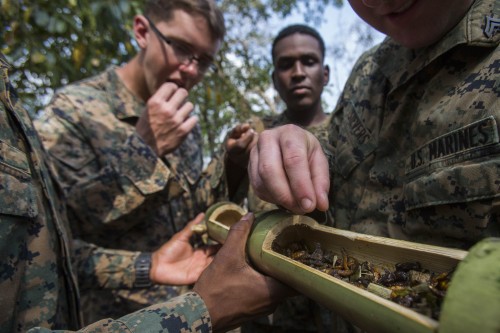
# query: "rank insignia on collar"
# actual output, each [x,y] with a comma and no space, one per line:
[491,26]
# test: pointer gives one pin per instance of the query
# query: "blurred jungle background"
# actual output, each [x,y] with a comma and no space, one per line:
[51,43]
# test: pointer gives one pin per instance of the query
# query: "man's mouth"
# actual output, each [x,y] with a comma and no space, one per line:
[179,84]
[300,90]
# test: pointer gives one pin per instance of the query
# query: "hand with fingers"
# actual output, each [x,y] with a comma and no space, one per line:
[239,143]
[167,119]
[289,168]
[177,262]
[232,290]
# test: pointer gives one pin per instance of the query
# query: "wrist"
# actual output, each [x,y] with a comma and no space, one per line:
[142,267]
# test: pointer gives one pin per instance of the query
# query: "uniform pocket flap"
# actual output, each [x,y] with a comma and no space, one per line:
[13,158]
[459,183]
[17,194]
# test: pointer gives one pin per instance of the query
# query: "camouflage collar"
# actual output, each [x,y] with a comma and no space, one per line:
[5,88]
[471,30]
[125,105]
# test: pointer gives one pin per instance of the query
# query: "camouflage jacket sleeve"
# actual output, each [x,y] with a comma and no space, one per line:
[215,177]
[99,185]
[185,313]
[104,268]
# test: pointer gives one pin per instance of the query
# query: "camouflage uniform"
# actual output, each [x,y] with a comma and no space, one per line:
[416,149]
[38,284]
[120,194]
[295,314]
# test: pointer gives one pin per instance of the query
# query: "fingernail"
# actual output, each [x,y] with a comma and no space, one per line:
[306,203]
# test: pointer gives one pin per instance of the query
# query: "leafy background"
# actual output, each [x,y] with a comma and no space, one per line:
[51,43]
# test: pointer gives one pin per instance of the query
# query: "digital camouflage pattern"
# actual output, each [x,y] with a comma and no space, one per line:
[39,287]
[120,194]
[416,150]
[186,313]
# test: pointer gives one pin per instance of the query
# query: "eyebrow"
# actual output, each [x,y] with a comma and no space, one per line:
[191,48]
[302,55]
[181,42]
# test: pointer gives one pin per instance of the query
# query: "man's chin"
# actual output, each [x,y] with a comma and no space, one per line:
[300,107]
[300,100]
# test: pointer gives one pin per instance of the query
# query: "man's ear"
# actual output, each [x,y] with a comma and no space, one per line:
[141,31]
[326,75]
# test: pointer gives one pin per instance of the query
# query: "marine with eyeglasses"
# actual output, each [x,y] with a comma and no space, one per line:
[127,151]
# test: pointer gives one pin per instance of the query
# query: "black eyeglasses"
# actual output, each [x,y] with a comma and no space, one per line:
[183,53]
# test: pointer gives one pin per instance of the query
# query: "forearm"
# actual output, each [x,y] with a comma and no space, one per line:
[213,185]
[103,176]
[114,184]
[186,313]
[237,180]
[101,268]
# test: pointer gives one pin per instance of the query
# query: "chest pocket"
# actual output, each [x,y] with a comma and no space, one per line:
[460,166]
[17,193]
[461,183]
[454,197]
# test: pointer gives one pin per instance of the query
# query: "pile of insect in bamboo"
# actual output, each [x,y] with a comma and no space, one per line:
[406,284]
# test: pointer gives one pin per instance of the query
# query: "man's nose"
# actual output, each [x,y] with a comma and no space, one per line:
[298,69]
[191,69]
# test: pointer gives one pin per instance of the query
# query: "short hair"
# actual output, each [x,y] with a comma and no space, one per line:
[162,10]
[298,29]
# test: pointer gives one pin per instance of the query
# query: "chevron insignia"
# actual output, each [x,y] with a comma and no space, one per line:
[491,26]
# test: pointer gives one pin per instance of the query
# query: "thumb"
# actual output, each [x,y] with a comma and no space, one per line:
[186,233]
[239,231]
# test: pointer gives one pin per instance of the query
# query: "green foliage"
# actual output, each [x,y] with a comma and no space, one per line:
[54,42]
